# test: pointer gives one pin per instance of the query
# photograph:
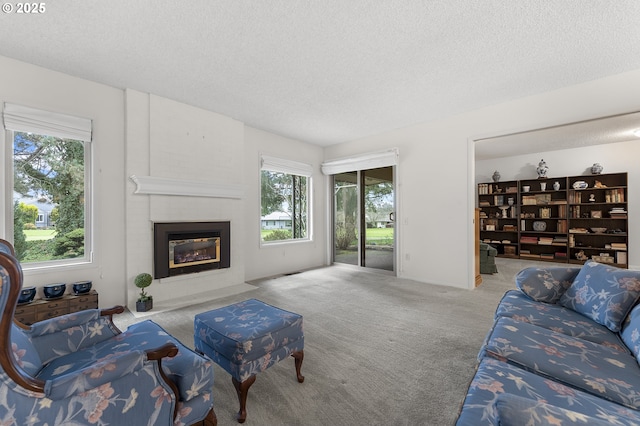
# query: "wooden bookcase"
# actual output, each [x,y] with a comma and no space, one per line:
[563,219]
[42,309]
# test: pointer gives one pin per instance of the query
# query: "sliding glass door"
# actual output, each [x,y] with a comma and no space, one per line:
[346,218]
[364,221]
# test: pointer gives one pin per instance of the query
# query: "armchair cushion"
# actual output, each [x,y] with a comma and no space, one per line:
[192,373]
[603,293]
[69,333]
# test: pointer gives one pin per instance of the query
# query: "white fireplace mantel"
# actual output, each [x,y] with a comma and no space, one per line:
[151,185]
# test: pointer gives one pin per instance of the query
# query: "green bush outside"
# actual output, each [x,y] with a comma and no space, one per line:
[277,235]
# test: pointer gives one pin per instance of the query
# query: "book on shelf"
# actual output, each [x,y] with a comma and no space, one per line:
[547,241]
[614,195]
[548,256]
[530,255]
[578,231]
[562,226]
[528,240]
[619,246]
[621,257]
[484,203]
[560,255]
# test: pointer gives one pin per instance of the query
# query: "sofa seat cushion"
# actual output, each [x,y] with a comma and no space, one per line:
[516,305]
[494,378]
[603,293]
[515,410]
[545,284]
[192,373]
[594,368]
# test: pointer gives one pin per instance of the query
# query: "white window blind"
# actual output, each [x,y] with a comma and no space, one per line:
[31,120]
[372,160]
[281,165]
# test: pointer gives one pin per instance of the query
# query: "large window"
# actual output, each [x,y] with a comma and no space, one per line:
[284,193]
[51,181]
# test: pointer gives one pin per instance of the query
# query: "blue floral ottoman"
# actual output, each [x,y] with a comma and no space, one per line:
[248,337]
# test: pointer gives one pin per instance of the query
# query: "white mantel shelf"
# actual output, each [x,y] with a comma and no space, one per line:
[151,185]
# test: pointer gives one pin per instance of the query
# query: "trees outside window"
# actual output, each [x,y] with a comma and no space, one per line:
[50,171]
[284,206]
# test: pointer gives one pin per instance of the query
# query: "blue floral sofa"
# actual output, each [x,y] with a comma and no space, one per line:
[79,369]
[564,350]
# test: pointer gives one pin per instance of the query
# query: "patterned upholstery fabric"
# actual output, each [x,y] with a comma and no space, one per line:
[93,375]
[248,337]
[562,363]
[631,332]
[603,293]
[517,411]
[545,284]
[516,305]
[596,369]
[494,378]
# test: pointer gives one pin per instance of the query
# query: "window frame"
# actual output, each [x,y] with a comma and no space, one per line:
[291,168]
[87,258]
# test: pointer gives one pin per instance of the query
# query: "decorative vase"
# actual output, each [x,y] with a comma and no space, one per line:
[596,169]
[496,176]
[144,306]
[542,169]
[543,186]
[556,185]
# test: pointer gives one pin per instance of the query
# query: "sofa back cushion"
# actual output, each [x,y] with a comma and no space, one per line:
[630,332]
[545,284]
[603,293]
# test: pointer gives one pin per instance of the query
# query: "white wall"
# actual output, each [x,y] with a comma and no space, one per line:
[49,90]
[273,259]
[615,158]
[169,139]
[436,171]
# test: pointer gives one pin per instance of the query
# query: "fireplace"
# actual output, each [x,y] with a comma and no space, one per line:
[190,247]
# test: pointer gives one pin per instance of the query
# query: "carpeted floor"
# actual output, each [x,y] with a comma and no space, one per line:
[378,350]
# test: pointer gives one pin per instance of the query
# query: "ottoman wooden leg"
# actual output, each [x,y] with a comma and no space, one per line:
[242,388]
[299,356]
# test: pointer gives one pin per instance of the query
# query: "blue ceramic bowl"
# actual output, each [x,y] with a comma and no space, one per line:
[26,295]
[53,291]
[81,287]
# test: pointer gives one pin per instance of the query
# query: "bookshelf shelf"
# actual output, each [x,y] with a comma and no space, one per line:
[549,219]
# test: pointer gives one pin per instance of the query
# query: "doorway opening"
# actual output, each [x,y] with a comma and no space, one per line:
[364,218]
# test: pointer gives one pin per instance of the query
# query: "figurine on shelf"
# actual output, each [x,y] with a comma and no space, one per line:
[581,256]
[542,169]
[592,198]
[599,184]
[496,176]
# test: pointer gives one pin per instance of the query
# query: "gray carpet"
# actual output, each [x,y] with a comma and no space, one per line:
[378,350]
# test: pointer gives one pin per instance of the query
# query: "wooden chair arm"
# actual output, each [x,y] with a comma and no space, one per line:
[167,350]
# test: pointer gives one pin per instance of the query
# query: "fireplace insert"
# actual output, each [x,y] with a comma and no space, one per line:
[189,247]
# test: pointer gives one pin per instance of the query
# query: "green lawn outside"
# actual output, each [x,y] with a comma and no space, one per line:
[380,236]
[39,234]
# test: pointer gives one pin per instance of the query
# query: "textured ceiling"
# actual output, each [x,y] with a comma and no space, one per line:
[331,71]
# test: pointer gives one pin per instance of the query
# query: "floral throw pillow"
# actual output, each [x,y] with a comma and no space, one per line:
[545,284]
[603,293]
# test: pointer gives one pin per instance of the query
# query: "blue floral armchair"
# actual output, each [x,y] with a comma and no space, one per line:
[79,369]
